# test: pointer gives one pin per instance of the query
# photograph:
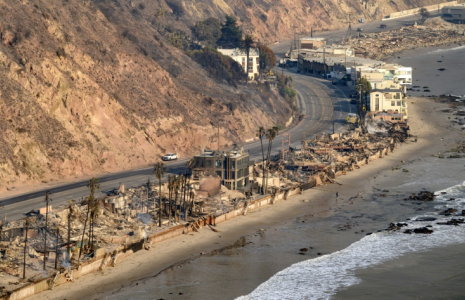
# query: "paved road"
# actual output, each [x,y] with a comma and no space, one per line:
[320,102]
[336,35]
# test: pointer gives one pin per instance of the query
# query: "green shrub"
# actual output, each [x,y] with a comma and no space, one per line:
[219,66]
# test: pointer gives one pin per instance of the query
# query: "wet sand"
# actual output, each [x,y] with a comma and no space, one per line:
[437,69]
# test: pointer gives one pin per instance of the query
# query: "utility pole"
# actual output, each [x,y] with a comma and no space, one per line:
[46,224]
[56,249]
[25,247]
[324,60]
[68,247]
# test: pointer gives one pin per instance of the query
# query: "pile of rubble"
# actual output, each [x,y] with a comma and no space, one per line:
[66,239]
[324,157]
[435,32]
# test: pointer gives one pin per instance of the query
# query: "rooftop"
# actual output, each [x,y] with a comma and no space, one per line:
[386,91]
[312,39]
[238,52]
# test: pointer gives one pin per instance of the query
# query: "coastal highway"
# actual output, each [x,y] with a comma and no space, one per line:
[320,102]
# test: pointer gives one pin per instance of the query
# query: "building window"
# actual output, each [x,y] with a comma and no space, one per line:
[218,163]
[377,104]
[393,103]
[218,173]
[251,59]
[250,69]
[398,103]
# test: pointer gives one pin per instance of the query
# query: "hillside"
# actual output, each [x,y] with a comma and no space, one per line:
[273,20]
[88,88]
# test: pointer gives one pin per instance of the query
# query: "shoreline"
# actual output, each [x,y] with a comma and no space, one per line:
[168,253]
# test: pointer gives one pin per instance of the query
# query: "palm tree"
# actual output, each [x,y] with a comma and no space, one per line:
[159,169]
[177,185]
[71,214]
[246,44]
[261,134]
[47,201]
[190,166]
[271,135]
[170,196]
[94,213]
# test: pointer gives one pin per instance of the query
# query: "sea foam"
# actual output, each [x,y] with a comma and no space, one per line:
[322,277]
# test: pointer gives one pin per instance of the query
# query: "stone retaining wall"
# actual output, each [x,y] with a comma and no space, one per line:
[415,11]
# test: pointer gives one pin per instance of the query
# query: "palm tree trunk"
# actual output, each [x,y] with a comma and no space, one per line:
[247,65]
[25,248]
[269,163]
[169,200]
[68,247]
[159,203]
[263,165]
[83,233]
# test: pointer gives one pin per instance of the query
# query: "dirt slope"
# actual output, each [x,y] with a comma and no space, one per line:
[83,92]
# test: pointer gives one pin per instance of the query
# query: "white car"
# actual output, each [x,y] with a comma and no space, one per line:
[170,156]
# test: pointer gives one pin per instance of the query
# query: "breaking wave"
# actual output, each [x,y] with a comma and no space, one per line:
[446,50]
[322,277]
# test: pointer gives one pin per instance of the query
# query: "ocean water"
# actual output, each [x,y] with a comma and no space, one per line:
[435,71]
[323,277]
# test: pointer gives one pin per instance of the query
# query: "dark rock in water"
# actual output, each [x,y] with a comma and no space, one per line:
[441,69]
[463,212]
[303,250]
[422,230]
[318,253]
[451,199]
[369,233]
[448,212]
[443,193]
[301,253]
[394,226]
[425,219]
[439,60]
[454,222]
[385,191]
[422,196]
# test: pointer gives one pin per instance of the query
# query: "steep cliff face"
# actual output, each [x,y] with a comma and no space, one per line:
[88,87]
[272,20]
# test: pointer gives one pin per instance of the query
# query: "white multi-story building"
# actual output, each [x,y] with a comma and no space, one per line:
[252,67]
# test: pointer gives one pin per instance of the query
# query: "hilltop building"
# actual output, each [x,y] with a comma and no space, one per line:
[252,67]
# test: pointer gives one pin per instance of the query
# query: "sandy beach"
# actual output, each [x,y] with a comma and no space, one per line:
[312,219]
